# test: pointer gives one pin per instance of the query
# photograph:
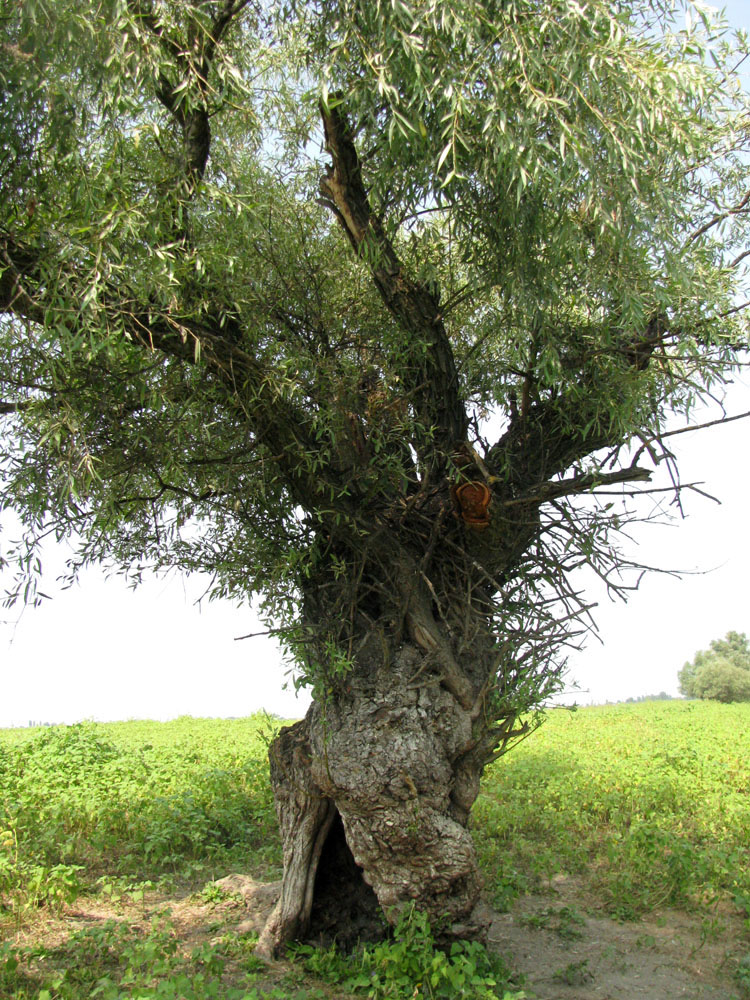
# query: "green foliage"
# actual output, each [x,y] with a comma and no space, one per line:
[112,961]
[199,373]
[649,802]
[566,921]
[574,974]
[720,680]
[14,981]
[540,135]
[212,892]
[411,966]
[78,801]
[661,696]
[742,975]
[735,648]
[721,673]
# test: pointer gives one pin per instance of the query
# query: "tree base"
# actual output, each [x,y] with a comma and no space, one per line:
[373,792]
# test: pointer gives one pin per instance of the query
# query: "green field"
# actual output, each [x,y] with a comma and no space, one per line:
[647,804]
[650,801]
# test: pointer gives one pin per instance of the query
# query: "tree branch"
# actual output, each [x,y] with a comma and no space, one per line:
[686,430]
[6,408]
[582,483]
[741,206]
[547,439]
[276,422]
[191,116]
[431,379]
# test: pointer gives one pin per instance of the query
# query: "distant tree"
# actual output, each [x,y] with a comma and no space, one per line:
[267,270]
[719,680]
[722,672]
[735,648]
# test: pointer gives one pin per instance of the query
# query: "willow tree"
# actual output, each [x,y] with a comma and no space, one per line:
[360,306]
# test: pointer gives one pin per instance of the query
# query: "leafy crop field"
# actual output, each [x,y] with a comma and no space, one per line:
[645,805]
[88,806]
[650,802]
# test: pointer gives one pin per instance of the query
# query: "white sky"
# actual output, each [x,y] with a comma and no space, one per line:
[646,641]
[103,651]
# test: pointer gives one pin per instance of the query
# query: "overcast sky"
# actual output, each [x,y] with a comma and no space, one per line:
[105,652]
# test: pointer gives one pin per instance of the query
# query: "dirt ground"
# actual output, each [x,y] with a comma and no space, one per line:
[564,950]
[566,953]
[569,954]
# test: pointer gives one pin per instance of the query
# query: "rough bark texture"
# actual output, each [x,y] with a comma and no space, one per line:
[398,758]
[305,817]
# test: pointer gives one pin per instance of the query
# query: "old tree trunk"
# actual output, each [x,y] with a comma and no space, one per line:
[374,787]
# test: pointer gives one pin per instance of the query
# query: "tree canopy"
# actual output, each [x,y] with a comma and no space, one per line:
[547,205]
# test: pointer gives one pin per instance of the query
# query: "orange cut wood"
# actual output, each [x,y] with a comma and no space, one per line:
[474,500]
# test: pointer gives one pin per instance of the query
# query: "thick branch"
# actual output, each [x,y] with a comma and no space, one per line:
[190,114]
[548,437]
[229,10]
[431,379]
[6,408]
[582,483]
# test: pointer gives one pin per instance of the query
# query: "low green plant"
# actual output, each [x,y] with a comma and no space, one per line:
[648,802]
[742,975]
[123,890]
[113,961]
[121,806]
[742,902]
[14,981]
[214,893]
[409,965]
[565,921]
[574,974]
[25,886]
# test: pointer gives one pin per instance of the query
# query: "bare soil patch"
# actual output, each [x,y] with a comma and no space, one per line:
[567,953]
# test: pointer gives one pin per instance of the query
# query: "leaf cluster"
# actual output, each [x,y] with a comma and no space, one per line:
[412,965]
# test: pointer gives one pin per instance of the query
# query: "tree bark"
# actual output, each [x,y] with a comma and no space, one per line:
[398,758]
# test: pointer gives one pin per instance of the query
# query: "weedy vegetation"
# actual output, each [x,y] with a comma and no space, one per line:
[647,805]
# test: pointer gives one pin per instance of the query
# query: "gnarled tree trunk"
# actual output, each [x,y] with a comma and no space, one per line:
[391,759]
